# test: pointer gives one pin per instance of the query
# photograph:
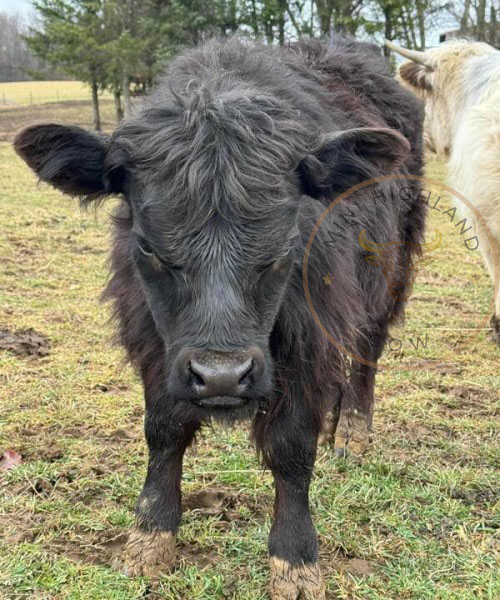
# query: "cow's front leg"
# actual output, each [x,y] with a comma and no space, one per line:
[150,549]
[288,445]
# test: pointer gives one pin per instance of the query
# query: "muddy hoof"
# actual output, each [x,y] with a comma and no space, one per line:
[340,452]
[327,430]
[148,554]
[495,325]
[290,582]
[352,436]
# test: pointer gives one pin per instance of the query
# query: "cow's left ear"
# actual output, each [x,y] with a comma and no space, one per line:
[416,76]
[350,157]
[69,158]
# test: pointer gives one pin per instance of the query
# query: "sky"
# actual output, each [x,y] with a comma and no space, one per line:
[22,7]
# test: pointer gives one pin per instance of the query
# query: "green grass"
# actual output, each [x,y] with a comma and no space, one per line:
[41,92]
[416,519]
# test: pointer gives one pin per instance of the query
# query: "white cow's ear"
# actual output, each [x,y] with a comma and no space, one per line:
[416,75]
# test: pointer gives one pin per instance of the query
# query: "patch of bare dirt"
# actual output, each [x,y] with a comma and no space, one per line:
[207,500]
[24,342]
[468,401]
[344,562]
[111,388]
[96,548]
[357,566]
[472,496]
[436,365]
[192,555]
[226,506]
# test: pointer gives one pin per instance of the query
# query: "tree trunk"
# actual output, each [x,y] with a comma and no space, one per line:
[481,14]
[281,21]
[95,106]
[421,23]
[324,10]
[493,27]
[293,20]
[127,105]
[464,21]
[118,106]
[268,27]
[255,19]
[233,16]
[410,31]
[341,11]
[387,29]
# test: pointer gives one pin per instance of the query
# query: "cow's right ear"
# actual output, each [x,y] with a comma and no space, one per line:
[69,158]
[347,158]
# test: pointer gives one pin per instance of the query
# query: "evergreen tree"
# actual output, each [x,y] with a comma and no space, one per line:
[70,37]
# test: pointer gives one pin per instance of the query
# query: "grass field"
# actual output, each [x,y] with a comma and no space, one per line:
[41,92]
[416,519]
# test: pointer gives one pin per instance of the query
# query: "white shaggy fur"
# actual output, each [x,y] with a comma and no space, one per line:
[461,91]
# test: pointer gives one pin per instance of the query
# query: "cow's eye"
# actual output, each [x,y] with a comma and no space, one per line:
[280,265]
[277,266]
[145,248]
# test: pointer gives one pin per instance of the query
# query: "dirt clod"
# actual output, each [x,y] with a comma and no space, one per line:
[24,342]
[205,500]
[356,566]
[9,460]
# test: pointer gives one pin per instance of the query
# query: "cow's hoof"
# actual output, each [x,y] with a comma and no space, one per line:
[495,326]
[148,554]
[327,432]
[352,435]
[290,582]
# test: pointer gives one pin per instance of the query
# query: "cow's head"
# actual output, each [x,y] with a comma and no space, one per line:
[213,187]
[442,78]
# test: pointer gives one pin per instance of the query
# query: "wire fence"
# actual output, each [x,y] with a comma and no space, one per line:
[41,92]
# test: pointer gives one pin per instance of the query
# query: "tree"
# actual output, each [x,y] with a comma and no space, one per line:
[121,45]
[479,20]
[407,20]
[17,63]
[70,36]
[126,46]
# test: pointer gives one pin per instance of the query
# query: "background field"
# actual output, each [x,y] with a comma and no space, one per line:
[416,519]
[41,92]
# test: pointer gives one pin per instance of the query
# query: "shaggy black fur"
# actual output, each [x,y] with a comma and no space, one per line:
[224,171]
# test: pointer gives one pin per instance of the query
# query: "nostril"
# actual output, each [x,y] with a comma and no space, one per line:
[196,377]
[248,368]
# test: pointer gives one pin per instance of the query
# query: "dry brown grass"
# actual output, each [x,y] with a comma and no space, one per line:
[417,519]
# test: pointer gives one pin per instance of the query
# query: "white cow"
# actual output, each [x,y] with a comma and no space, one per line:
[459,83]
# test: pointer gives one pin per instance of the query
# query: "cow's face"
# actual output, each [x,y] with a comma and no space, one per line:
[214,234]
[442,80]
[214,283]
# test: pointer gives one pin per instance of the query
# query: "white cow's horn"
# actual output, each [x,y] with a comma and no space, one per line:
[415,55]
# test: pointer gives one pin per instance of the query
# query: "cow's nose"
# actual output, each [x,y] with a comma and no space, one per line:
[213,374]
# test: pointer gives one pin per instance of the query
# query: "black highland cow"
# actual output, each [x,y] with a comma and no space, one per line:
[222,174]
